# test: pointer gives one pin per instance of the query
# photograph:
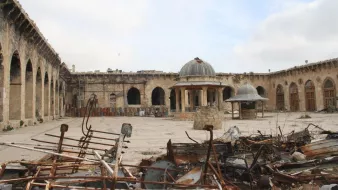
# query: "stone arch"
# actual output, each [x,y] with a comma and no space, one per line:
[310,96]
[15,87]
[112,99]
[261,91]
[29,90]
[280,101]
[1,84]
[38,93]
[61,98]
[329,93]
[172,99]
[294,97]
[46,93]
[134,96]
[228,92]
[158,96]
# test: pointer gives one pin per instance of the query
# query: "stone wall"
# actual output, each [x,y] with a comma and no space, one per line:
[20,97]
[208,115]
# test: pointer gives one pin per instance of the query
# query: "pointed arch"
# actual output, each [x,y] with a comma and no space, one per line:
[61,98]
[172,99]
[329,93]
[310,96]
[280,102]
[46,93]
[158,96]
[228,92]
[15,87]
[294,97]
[134,96]
[261,91]
[28,90]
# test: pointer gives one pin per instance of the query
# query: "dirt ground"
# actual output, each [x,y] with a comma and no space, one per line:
[150,135]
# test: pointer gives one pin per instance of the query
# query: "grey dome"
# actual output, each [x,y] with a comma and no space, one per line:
[197,67]
[246,93]
[247,89]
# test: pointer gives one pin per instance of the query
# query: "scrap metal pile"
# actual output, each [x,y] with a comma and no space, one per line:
[95,161]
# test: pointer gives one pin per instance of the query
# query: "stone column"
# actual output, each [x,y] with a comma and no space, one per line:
[192,94]
[209,96]
[301,98]
[43,96]
[186,97]
[6,81]
[286,97]
[53,100]
[204,96]
[48,100]
[22,92]
[319,94]
[219,98]
[200,99]
[183,99]
[34,97]
[177,94]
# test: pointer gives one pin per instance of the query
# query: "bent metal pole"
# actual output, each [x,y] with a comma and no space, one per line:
[49,152]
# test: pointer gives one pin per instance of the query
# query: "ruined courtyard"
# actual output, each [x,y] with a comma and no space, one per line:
[196,127]
[150,134]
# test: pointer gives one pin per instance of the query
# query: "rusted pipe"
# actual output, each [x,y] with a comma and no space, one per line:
[72,139]
[48,152]
[216,160]
[208,128]
[104,163]
[190,137]
[63,130]
[3,168]
[69,145]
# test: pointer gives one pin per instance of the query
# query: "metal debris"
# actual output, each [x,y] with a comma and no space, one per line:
[95,161]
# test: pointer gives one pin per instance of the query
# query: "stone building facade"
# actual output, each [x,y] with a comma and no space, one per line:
[310,87]
[30,82]
[36,85]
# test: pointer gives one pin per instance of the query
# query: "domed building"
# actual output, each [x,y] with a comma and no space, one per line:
[247,96]
[197,67]
[203,87]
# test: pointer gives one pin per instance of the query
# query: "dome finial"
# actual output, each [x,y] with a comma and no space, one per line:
[198,60]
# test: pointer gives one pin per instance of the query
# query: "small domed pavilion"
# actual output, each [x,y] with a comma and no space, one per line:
[204,88]
[246,97]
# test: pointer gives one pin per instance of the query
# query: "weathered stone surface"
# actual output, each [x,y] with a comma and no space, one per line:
[208,115]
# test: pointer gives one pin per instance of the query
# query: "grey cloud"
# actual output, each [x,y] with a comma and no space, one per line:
[308,31]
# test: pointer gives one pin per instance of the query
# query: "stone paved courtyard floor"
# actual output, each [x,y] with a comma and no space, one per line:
[150,134]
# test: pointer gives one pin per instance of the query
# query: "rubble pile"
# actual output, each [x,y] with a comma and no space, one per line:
[306,159]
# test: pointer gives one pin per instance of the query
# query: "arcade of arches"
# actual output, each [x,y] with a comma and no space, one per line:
[28,92]
[38,86]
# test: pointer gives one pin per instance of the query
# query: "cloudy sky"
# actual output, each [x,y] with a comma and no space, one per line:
[232,35]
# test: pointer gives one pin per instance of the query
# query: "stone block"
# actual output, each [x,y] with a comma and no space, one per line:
[208,115]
